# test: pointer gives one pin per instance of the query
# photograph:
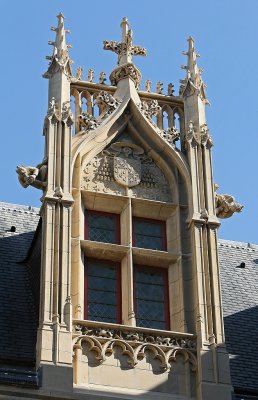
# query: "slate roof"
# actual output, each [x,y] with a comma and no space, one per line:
[18,312]
[19,301]
[240,304]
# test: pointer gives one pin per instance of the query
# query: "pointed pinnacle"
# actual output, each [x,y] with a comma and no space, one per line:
[60,15]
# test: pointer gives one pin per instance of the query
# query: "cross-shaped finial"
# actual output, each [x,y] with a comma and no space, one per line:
[125,49]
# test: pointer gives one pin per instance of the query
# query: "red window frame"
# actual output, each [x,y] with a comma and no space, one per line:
[117,224]
[153,221]
[166,291]
[118,286]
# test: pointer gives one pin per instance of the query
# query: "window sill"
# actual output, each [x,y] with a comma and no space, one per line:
[106,251]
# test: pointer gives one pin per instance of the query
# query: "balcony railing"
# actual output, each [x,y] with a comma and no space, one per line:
[134,341]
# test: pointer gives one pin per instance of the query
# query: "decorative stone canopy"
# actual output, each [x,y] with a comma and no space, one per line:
[125,50]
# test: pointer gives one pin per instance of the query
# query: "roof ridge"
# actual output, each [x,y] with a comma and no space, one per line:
[236,244]
[20,207]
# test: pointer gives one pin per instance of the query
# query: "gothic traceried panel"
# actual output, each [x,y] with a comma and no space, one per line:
[125,169]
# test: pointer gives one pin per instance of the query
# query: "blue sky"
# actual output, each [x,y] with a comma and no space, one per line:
[226,36]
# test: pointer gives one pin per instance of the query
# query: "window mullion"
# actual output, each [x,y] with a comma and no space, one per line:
[128,314]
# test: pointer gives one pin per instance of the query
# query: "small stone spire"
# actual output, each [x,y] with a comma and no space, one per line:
[193,72]
[60,58]
[125,49]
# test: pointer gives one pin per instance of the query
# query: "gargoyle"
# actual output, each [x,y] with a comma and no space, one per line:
[226,205]
[33,176]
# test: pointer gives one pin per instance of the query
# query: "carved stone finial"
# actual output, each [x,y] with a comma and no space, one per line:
[193,82]
[33,176]
[124,49]
[226,205]
[102,78]
[59,61]
[171,89]
[90,75]
[79,73]
[159,87]
[148,86]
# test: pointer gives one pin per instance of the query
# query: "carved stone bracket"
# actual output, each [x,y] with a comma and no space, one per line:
[226,205]
[134,344]
[170,135]
[124,71]
[88,122]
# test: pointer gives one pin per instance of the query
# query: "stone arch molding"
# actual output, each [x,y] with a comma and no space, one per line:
[129,116]
[136,352]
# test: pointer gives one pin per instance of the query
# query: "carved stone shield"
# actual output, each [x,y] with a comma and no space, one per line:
[127,171]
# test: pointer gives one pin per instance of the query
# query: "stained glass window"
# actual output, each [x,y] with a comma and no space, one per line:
[151,297]
[149,234]
[102,291]
[102,227]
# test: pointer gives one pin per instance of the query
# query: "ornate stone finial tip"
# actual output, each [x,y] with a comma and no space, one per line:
[60,15]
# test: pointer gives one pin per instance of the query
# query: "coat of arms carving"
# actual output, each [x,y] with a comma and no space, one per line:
[127,171]
[127,158]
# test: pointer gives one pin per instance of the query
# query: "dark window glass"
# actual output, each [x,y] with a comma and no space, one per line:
[151,297]
[149,234]
[102,291]
[102,227]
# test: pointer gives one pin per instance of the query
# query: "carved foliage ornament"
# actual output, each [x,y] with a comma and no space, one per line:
[88,122]
[150,109]
[170,135]
[107,101]
[124,71]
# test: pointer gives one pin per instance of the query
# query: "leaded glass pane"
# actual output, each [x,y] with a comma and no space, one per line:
[102,292]
[149,234]
[102,227]
[150,298]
